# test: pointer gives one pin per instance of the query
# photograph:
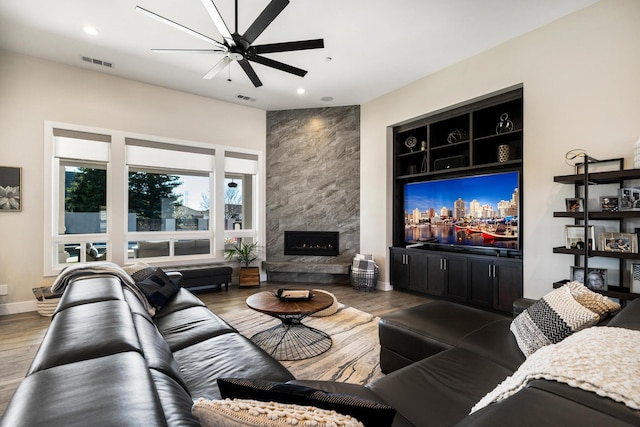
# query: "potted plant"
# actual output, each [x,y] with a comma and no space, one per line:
[245,254]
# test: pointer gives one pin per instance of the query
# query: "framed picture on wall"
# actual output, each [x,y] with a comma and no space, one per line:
[10,188]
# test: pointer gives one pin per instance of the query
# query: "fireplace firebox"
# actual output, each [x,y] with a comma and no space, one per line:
[313,243]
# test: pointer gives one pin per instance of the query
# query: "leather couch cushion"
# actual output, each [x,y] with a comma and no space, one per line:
[156,351]
[183,299]
[85,332]
[189,326]
[496,343]
[421,331]
[629,317]
[105,391]
[228,355]
[175,402]
[533,407]
[83,291]
[442,389]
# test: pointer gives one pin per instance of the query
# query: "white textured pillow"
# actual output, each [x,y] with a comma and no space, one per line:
[594,301]
[245,412]
[551,319]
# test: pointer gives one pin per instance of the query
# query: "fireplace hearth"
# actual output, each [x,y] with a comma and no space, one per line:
[312,243]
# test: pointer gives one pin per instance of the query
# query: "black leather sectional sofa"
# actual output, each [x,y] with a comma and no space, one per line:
[105,362]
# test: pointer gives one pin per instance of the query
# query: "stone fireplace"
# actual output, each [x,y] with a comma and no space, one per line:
[313,184]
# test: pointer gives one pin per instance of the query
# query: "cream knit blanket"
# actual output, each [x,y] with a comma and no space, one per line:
[600,359]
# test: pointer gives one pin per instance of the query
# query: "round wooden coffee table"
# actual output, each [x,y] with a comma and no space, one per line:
[291,339]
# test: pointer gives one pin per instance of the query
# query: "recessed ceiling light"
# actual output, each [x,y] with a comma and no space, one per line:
[300,91]
[90,30]
[326,98]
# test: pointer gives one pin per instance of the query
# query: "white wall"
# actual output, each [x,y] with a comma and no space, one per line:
[581,77]
[33,90]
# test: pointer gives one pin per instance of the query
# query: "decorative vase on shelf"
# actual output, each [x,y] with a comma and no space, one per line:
[504,153]
[636,155]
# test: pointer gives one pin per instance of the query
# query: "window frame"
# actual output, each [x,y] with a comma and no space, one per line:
[117,235]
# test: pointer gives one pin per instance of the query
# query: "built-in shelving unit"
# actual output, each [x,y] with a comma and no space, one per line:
[484,135]
[582,180]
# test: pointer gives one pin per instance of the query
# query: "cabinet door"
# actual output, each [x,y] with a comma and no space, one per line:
[508,285]
[436,282]
[417,272]
[481,282]
[457,282]
[399,269]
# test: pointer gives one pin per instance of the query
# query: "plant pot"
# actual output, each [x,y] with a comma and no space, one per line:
[249,276]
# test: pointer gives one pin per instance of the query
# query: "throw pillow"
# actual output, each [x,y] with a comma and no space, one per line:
[549,320]
[139,271]
[369,412]
[594,301]
[244,412]
[158,288]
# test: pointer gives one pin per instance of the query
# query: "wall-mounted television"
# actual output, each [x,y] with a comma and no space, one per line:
[475,212]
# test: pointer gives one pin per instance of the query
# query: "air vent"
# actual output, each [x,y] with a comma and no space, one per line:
[246,98]
[97,62]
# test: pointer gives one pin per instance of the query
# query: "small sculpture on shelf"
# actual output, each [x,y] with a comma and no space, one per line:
[411,142]
[505,125]
[456,135]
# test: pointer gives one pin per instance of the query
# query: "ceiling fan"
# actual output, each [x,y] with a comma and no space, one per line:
[240,48]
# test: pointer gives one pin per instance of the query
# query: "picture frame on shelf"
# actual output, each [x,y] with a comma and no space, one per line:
[574,237]
[596,278]
[629,199]
[609,203]
[635,278]
[574,204]
[619,242]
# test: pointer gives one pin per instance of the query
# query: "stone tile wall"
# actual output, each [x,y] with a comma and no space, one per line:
[313,179]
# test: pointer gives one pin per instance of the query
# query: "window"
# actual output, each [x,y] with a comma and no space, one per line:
[80,167]
[119,198]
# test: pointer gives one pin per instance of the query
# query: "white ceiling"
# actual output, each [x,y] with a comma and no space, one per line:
[374,46]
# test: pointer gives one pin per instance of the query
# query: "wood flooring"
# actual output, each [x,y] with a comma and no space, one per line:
[21,334]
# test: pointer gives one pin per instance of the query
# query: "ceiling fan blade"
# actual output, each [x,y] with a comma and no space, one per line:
[278,65]
[217,68]
[289,46]
[267,16]
[214,13]
[251,73]
[188,51]
[180,27]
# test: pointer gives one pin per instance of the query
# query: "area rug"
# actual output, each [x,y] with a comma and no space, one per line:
[354,356]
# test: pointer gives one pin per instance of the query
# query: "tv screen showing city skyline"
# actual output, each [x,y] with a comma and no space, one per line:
[485,189]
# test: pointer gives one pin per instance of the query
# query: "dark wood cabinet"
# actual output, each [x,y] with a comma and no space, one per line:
[408,270]
[495,283]
[481,281]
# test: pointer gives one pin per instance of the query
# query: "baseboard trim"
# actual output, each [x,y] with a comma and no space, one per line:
[18,307]
[384,286]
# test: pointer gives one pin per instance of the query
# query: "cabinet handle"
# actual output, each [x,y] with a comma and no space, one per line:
[494,271]
[443,261]
[490,271]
